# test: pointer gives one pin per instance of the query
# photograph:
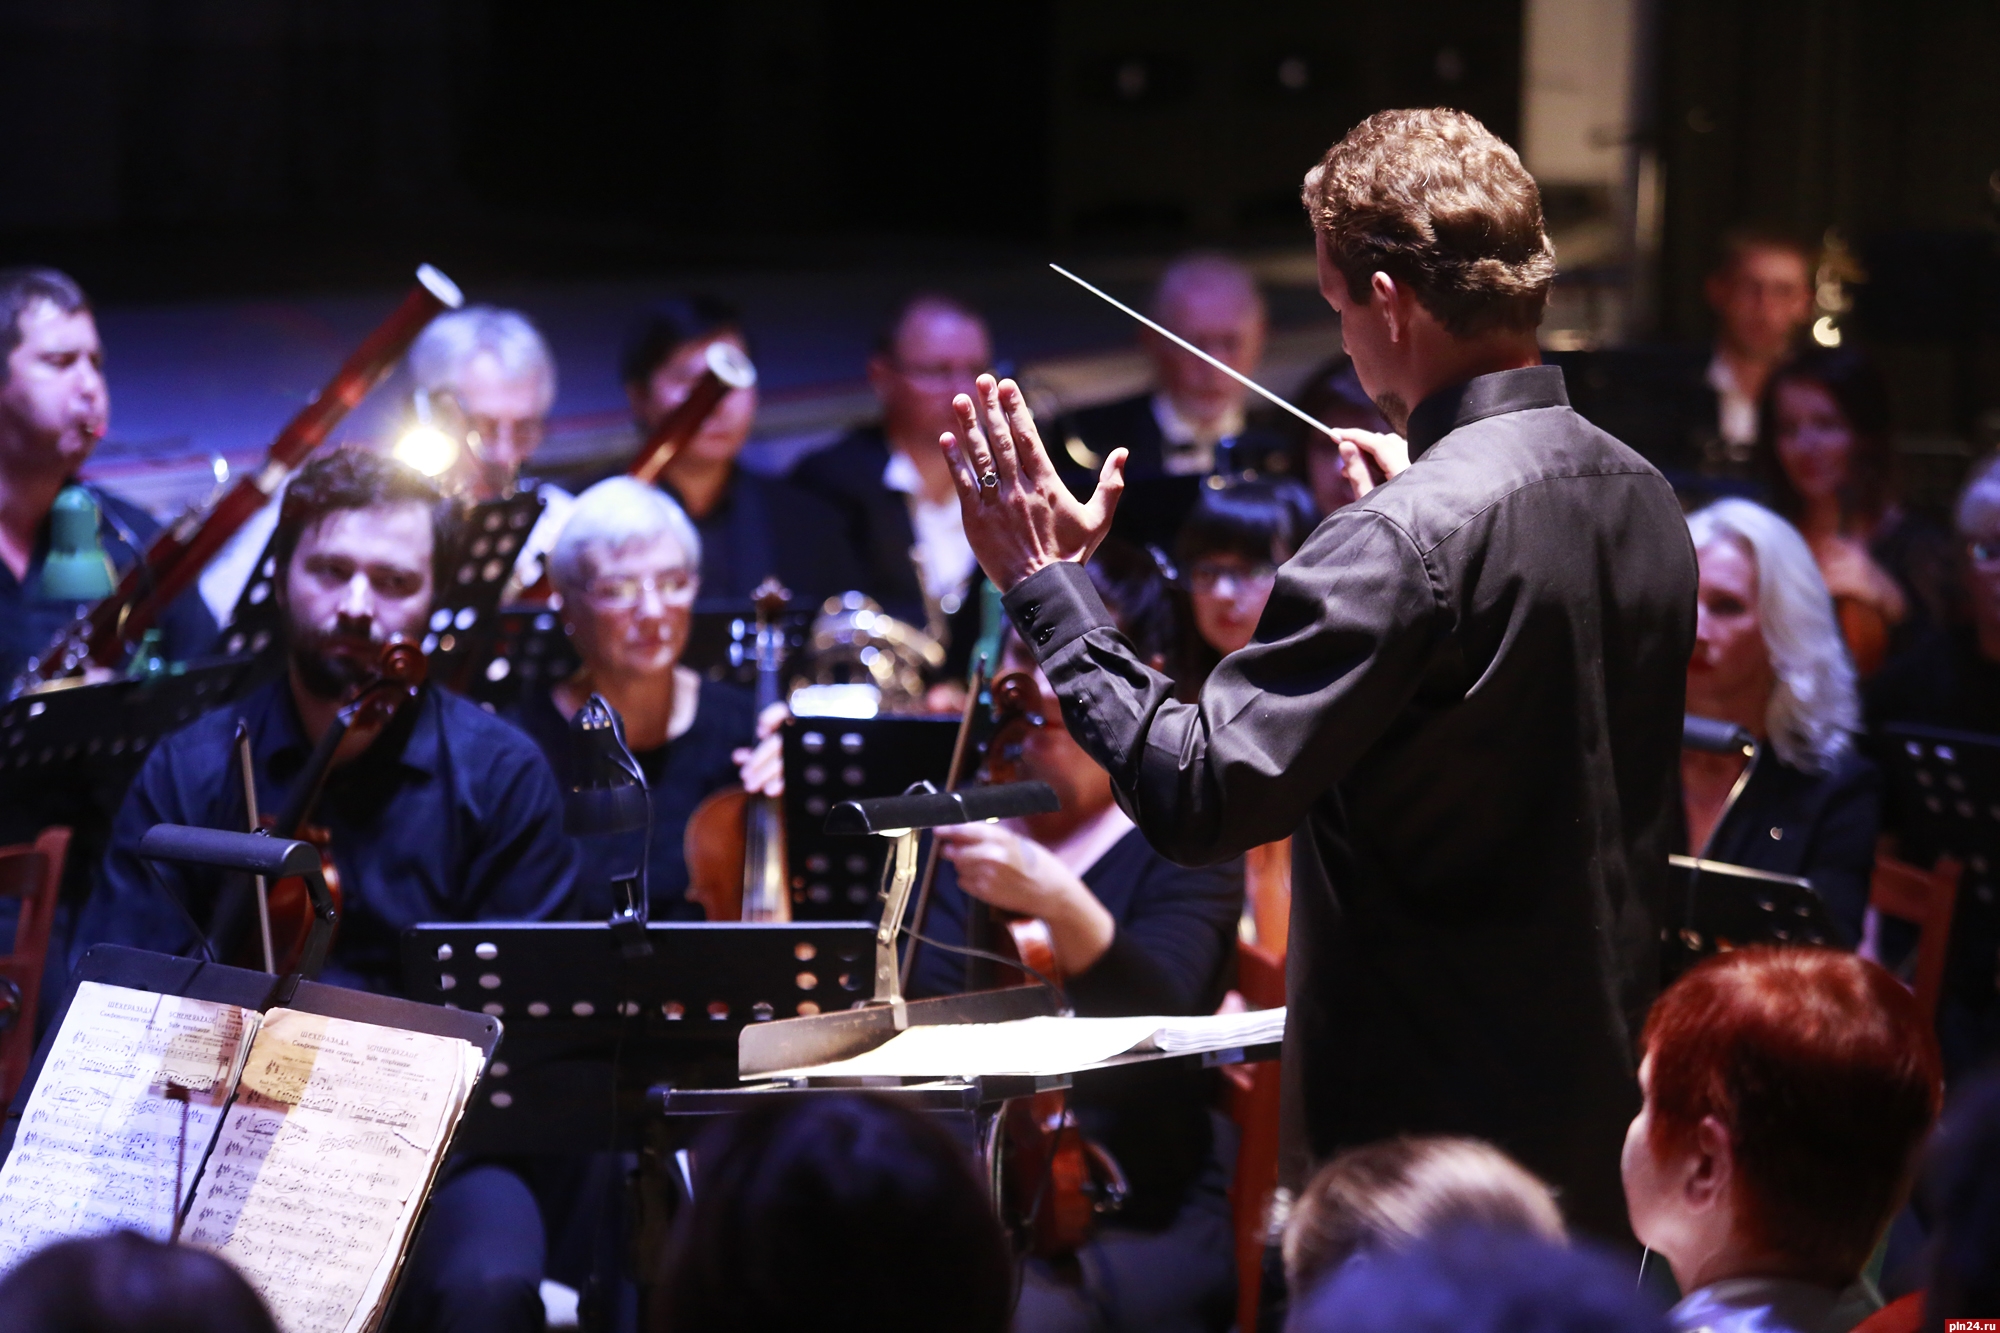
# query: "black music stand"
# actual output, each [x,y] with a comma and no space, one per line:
[833,759]
[590,1029]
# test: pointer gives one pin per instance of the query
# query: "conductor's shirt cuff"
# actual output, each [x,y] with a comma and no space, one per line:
[1054,607]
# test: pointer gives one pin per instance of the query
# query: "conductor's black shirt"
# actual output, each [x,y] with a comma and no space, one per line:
[1465,698]
[451,815]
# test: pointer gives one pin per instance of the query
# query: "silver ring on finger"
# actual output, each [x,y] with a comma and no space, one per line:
[990,480]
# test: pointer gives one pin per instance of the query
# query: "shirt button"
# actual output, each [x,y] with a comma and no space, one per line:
[1044,634]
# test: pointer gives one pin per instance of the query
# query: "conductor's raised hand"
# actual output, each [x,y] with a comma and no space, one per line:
[1019,515]
[1369,458]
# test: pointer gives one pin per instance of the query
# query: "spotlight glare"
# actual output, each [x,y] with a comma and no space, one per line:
[1825,332]
[427,449]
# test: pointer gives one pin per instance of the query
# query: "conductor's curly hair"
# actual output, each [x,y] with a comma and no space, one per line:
[1441,204]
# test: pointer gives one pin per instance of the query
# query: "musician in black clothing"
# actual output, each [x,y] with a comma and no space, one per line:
[444,813]
[1768,656]
[1464,700]
[1133,934]
[627,566]
[1191,425]
[890,483]
[751,526]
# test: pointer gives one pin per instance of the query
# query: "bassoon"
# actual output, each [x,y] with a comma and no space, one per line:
[183,549]
[725,369]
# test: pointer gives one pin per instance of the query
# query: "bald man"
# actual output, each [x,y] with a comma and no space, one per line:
[891,483]
[1192,424]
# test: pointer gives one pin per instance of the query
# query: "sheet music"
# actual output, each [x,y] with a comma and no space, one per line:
[99,1142]
[323,1162]
[1046,1045]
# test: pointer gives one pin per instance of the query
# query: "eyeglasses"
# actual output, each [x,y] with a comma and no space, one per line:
[1208,576]
[623,593]
[1984,552]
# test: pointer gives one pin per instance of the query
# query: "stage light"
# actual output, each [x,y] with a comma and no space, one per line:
[427,449]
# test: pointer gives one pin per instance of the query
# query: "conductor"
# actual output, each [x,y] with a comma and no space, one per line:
[1464,697]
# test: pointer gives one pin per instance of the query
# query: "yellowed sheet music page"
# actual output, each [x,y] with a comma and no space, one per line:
[99,1142]
[323,1160]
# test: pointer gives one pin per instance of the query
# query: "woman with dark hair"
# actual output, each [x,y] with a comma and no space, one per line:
[1228,551]
[126,1283]
[1331,394]
[845,1213]
[1824,452]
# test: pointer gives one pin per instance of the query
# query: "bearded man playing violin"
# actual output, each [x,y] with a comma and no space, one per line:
[434,812]
[1131,933]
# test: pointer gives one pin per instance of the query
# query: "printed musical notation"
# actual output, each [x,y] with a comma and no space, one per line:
[324,1160]
[101,1141]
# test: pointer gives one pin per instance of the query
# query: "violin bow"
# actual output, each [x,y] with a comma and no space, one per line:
[951,778]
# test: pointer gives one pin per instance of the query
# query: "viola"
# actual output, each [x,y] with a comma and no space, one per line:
[399,674]
[1055,1181]
[735,842]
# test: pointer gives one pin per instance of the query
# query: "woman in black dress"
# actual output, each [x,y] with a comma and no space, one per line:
[1133,934]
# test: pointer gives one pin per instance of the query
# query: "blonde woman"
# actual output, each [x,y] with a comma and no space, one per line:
[1768,656]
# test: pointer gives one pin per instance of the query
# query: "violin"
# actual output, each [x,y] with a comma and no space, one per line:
[399,673]
[735,842]
[1055,1181]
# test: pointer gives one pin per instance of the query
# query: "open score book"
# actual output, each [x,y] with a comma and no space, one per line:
[298,1146]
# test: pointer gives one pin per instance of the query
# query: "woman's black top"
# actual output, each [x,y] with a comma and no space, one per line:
[679,775]
[1174,953]
[1819,826]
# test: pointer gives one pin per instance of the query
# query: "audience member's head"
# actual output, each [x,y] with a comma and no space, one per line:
[1823,438]
[1976,517]
[1768,653]
[1389,1195]
[1961,1191]
[1786,1094]
[664,357]
[357,550]
[495,364]
[125,1283]
[933,350]
[628,566]
[1332,394]
[844,1213]
[1228,552]
[1475,1281]
[1213,302]
[54,404]
[1760,289]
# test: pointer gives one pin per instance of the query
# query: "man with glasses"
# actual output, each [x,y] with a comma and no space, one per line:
[628,565]
[443,813]
[891,483]
[752,527]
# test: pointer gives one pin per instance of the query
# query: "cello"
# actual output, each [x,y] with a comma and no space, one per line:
[735,841]
[399,674]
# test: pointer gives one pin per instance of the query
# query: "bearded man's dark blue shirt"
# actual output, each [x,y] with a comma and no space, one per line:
[450,815]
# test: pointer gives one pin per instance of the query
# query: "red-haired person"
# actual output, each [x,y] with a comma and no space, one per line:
[1787,1092]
